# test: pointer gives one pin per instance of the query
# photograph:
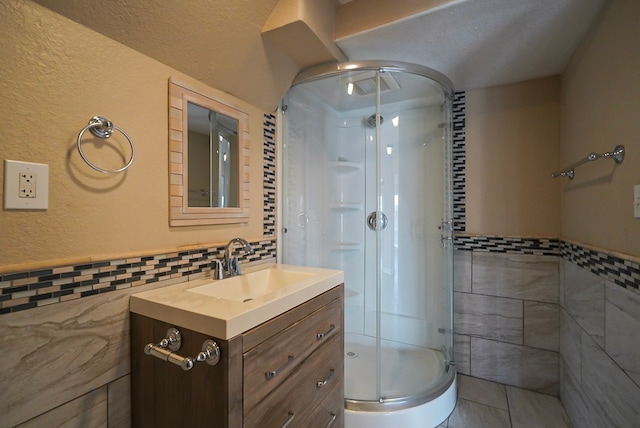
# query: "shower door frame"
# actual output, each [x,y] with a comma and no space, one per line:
[320,72]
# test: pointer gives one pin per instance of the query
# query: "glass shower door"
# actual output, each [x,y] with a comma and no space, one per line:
[365,190]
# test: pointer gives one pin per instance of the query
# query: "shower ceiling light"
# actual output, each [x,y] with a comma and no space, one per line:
[350,88]
[365,83]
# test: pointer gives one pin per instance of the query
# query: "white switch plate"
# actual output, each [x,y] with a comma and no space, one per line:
[636,201]
[26,185]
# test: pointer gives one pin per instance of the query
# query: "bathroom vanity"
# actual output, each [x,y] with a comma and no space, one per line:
[277,359]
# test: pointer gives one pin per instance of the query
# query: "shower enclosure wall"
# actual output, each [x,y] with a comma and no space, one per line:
[366,189]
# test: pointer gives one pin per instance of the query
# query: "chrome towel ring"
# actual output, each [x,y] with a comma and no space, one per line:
[102,127]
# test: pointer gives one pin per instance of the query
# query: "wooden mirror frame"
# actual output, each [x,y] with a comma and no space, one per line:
[180,213]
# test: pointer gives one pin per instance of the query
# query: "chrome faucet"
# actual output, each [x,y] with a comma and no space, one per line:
[230,264]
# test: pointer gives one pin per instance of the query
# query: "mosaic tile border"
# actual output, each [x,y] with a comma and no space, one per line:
[459,162]
[31,289]
[269,175]
[502,244]
[624,272]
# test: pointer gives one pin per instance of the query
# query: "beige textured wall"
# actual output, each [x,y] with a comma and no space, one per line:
[512,143]
[600,109]
[56,75]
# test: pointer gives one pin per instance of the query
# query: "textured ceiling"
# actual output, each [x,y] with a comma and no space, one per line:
[476,43]
[479,43]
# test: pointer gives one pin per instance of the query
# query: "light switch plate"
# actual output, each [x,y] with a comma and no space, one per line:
[26,185]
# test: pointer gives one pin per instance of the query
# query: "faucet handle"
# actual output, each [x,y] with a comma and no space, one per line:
[234,266]
[218,269]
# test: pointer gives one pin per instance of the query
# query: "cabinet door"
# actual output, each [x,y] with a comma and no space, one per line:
[165,396]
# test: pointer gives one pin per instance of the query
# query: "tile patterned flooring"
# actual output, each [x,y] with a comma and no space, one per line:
[484,404]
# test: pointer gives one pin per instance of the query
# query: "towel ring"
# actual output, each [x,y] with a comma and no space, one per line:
[103,128]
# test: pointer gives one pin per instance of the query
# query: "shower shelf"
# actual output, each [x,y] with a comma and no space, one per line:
[345,206]
[345,167]
[346,246]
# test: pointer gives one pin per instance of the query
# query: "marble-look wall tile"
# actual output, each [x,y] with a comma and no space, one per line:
[541,325]
[562,262]
[571,344]
[519,276]
[580,411]
[533,409]
[88,411]
[623,328]
[119,396]
[490,317]
[584,300]
[55,354]
[462,353]
[613,394]
[462,271]
[521,366]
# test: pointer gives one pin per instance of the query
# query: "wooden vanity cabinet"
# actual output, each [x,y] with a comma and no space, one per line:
[287,371]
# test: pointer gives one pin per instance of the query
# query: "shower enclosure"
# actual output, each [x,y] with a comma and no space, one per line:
[366,188]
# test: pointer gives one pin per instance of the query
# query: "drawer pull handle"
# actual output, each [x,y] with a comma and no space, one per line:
[275,372]
[289,420]
[333,419]
[322,335]
[326,379]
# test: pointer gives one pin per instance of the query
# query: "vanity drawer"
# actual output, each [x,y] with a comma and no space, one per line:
[268,365]
[298,397]
[330,413]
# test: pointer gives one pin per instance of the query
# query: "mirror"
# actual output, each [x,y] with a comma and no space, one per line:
[208,158]
[213,153]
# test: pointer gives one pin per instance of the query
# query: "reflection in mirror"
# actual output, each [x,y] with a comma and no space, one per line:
[208,158]
[213,158]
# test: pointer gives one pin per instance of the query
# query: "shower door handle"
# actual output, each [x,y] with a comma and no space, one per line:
[372,221]
[446,229]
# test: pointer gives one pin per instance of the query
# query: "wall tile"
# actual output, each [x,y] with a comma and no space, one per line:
[561,288]
[611,392]
[489,317]
[462,353]
[519,276]
[541,325]
[623,328]
[581,412]
[516,365]
[119,396]
[54,354]
[584,300]
[462,271]
[88,411]
[571,344]
[533,409]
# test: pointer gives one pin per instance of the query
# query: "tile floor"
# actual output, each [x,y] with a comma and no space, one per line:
[484,404]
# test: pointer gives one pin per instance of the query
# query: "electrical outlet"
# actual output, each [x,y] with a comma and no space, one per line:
[26,185]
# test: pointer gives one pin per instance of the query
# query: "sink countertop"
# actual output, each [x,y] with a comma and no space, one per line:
[222,318]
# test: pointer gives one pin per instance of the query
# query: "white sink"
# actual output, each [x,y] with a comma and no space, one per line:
[246,287]
[225,308]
